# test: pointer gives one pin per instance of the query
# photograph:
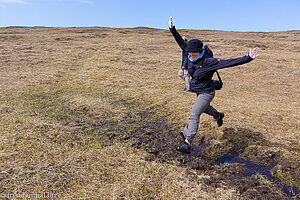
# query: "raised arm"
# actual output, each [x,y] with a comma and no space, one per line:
[176,35]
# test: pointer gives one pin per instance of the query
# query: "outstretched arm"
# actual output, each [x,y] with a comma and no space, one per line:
[176,35]
[214,64]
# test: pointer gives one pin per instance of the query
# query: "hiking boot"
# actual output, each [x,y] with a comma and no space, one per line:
[184,148]
[220,119]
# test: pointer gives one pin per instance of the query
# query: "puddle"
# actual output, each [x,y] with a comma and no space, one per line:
[292,192]
[153,137]
[253,169]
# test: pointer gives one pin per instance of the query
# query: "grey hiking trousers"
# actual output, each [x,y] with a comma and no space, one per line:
[202,105]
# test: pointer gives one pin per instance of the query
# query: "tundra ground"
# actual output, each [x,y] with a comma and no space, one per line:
[95,113]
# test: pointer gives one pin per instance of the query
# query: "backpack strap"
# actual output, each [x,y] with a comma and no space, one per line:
[219,77]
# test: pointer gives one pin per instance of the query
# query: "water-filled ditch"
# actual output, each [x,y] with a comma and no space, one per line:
[156,139]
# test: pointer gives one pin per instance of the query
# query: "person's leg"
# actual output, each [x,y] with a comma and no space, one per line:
[218,116]
[212,111]
[201,105]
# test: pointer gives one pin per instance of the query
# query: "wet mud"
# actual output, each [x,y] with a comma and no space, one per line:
[226,163]
[233,161]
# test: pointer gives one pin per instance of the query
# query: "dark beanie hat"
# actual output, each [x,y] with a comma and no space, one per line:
[194,45]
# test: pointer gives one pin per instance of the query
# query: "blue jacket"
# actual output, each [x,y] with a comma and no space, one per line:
[203,69]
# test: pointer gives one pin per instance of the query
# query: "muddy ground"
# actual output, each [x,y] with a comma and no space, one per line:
[234,162]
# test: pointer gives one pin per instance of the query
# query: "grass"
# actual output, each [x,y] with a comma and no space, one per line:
[58,146]
[72,100]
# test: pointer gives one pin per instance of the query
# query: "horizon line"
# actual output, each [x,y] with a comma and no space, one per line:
[97,26]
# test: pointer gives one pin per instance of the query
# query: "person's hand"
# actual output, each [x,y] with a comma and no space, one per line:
[170,22]
[253,53]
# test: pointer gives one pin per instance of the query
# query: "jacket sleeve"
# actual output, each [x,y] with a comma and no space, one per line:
[178,38]
[213,64]
[184,61]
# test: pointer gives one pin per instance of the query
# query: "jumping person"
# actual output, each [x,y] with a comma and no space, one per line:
[207,54]
[201,69]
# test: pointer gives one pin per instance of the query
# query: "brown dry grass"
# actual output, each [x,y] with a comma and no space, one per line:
[54,78]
